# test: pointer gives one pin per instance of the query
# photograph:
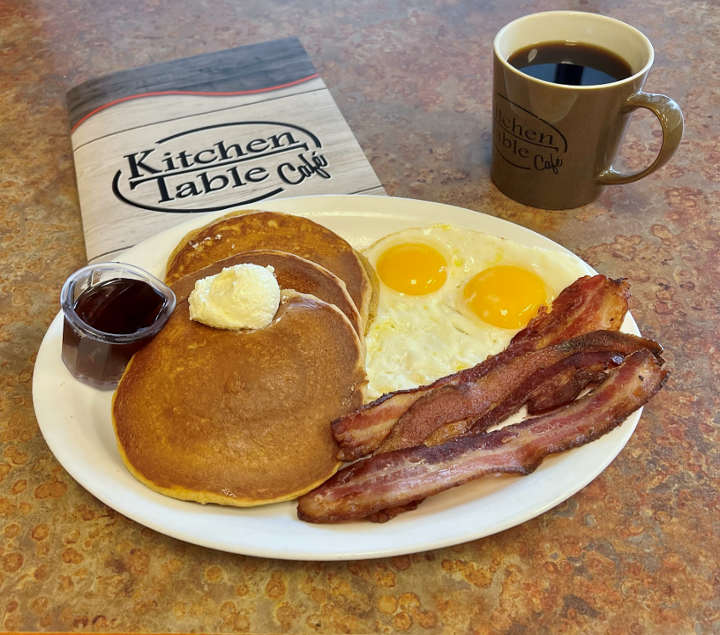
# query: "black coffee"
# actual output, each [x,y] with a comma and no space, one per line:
[571,63]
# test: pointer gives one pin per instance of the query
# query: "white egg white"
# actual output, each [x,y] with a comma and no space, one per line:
[417,339]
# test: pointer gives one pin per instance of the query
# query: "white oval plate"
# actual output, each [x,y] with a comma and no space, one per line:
[75,421]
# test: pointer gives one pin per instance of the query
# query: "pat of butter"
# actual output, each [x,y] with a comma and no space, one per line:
[244,296]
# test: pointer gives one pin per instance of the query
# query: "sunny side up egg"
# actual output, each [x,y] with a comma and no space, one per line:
[450,297]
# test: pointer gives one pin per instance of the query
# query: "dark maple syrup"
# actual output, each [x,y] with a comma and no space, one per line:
[117,308]
[120,306]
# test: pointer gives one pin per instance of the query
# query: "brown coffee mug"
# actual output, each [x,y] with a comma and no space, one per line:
[554,144]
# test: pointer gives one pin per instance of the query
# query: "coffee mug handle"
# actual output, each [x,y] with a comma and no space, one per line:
[671,120]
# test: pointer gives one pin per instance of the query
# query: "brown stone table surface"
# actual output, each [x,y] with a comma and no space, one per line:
[635,552]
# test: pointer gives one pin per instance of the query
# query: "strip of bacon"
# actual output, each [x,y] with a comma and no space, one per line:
[549,387]
[496,399]
[589,304]
[555,392]
[395,479]
[503,390]
[562,389]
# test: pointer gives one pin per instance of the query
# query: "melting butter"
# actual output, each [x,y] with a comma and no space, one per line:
[243,296]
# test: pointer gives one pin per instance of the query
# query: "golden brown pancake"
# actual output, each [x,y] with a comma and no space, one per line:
[291,272]
[249,231]
[240,417]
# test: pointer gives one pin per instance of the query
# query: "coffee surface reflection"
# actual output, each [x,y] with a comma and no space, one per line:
[571,64]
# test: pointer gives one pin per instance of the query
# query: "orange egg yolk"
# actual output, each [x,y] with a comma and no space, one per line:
[506,296]
[412,268]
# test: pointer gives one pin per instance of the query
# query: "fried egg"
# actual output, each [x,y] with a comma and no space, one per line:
[450,297]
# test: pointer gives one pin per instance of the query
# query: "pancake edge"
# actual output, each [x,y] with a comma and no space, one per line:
[375,290]
[195,232]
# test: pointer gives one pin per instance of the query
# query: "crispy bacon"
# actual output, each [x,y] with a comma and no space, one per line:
[397,479]
[563,388]
[383,515]
[589,304]
[503,394]
[546,388]
[502,391]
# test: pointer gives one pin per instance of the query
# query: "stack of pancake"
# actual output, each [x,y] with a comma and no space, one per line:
[243,417]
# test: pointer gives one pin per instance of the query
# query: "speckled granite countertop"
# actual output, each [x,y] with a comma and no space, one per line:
[635,552]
